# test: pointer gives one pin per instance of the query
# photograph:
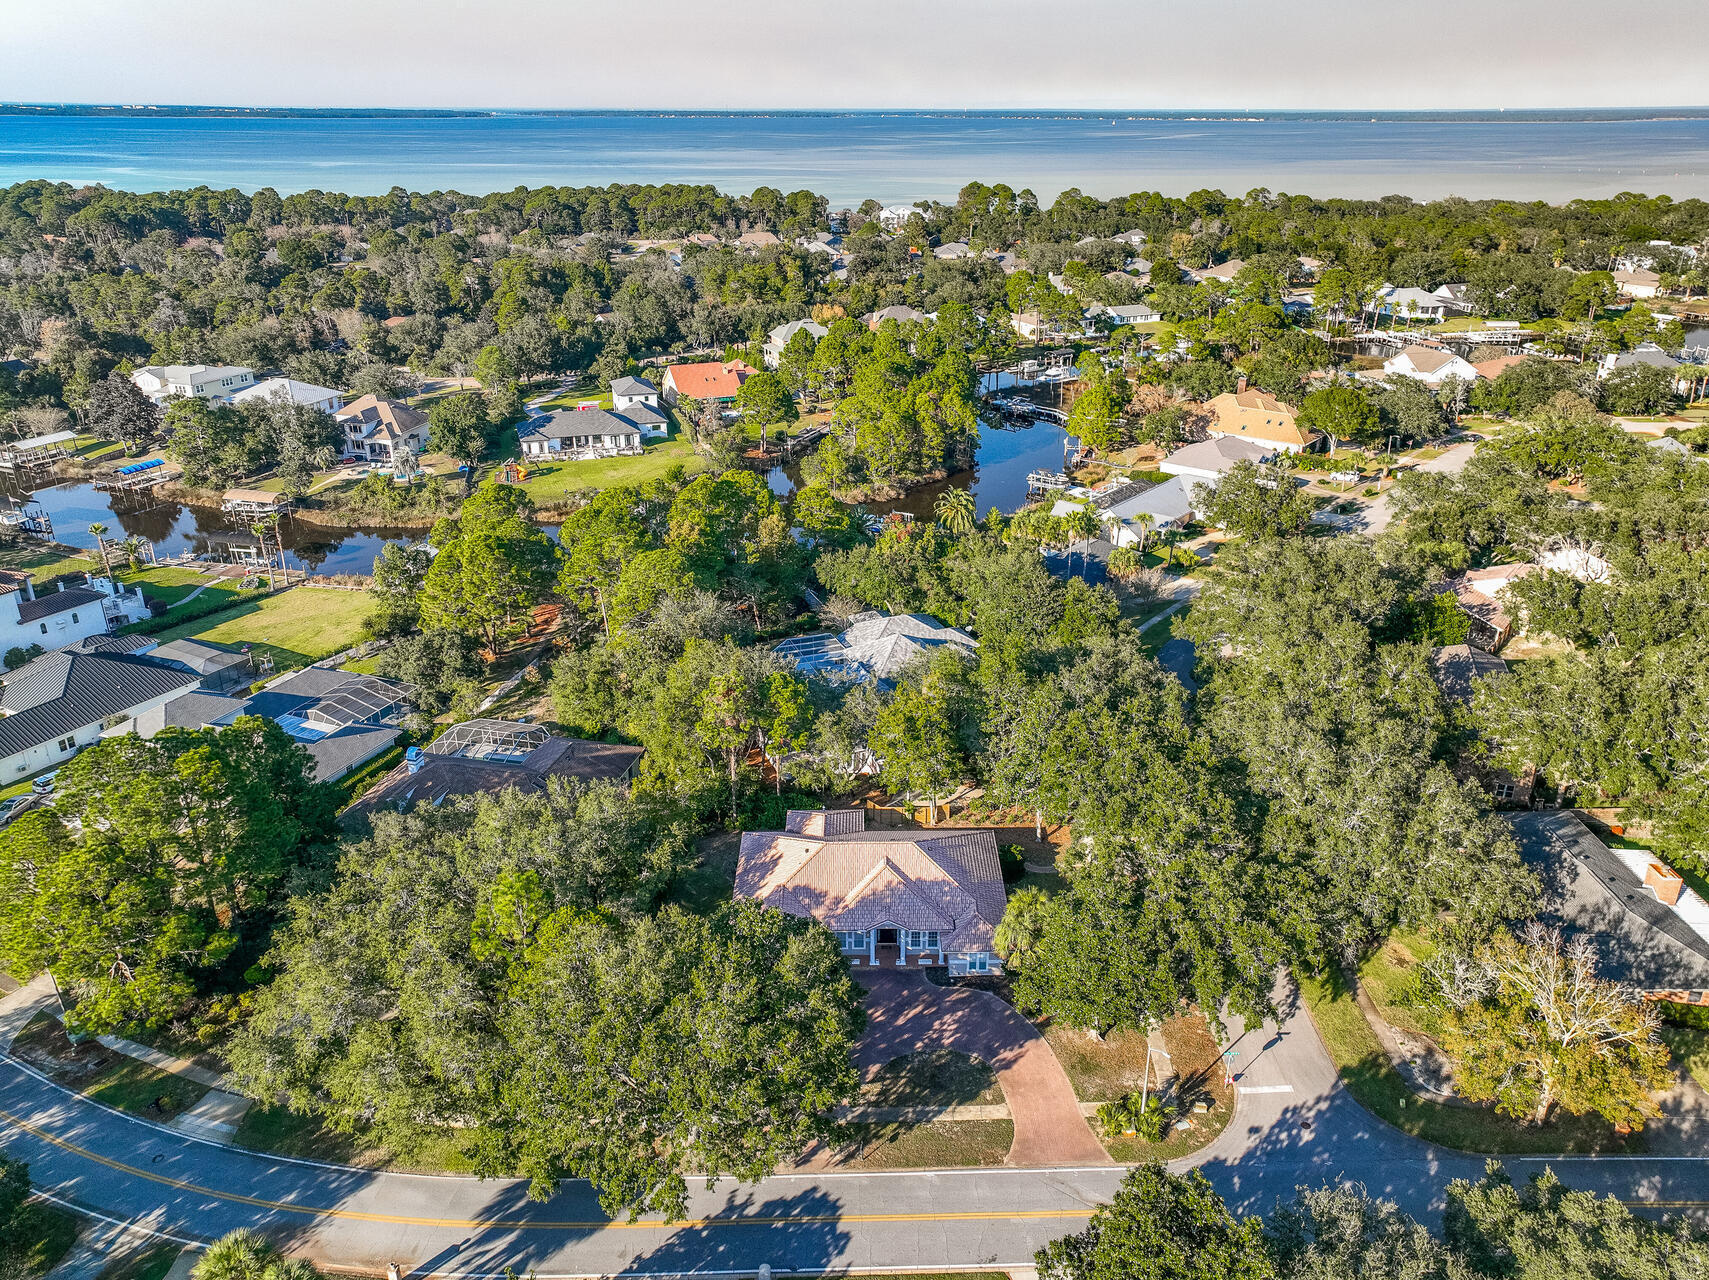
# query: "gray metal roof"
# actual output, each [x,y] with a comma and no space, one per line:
[60,693]
[569,423]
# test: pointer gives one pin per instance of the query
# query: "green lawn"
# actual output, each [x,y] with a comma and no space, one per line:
[1388,978]
[1690,1049]
[940,1144]
[935,1078]
[277,1130]
[570,399]
[109,1078]
[151,1264]
[168,584]
[301,625]
[1371,1079]
[46,1234]
[47,562]
[550,482]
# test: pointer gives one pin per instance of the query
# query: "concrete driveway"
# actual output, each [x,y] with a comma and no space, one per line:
[1372,515]
[908,1014]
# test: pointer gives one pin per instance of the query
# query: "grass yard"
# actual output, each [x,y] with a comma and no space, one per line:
[47,562]
[1388,977]
[1100,1070]
[151,1263]
[551,482]
[940,1144]
[1690,1049]
[166,585]
[936,1078]
[45,1234]
[278,1130]
[1372,1080]
[105,1076]
[299,626]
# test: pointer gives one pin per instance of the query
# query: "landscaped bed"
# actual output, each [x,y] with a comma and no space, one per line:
[102,1075]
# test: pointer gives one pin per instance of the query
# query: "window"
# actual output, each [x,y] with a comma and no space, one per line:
[1503,790]
[65,744]
[922,939]
[978,962]
[850,940]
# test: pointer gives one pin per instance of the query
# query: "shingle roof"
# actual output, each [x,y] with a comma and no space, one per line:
[1427,359]
[62,692]
[948,881]
[442,776]
[633,387]
[1219,454]
[1457,665]
[382,418]
[569,423]
[50,603]
[1257,415]
[190,711]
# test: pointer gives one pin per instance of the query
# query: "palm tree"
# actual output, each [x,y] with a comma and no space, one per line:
[1146,522]
[133,551]
[248,1255]
[1081,525]
[955,511]
[98,532]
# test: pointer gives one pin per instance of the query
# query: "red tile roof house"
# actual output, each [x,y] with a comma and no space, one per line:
[713,381]
[894,899]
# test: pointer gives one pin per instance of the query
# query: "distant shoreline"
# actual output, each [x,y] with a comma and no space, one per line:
[1541,115]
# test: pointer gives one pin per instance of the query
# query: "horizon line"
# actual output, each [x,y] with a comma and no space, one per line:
[13,104]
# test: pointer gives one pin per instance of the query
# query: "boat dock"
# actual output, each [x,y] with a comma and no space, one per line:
[138,475]
[36,452]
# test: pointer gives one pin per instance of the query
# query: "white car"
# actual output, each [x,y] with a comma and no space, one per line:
[43,785]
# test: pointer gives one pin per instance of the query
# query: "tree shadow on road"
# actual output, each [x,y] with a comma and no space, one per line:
[799,1232]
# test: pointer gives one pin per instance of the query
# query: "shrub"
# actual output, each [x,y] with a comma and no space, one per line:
[1125,1115]
[1013,859]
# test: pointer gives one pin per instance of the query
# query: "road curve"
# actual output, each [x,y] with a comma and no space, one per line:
[1293,1125]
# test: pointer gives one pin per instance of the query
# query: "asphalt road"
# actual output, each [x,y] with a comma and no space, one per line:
[1293,1125]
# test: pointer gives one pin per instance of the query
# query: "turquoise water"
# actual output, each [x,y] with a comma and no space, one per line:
[890,156]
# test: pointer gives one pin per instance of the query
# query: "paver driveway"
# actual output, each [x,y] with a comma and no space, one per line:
[908,1014]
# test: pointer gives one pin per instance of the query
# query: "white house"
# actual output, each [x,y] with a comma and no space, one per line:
[290,391]
[952,251]
[62,702]
[1640,283]
[779,338]
[1410,304]
[874,647]
[579,434]
[161,383]
[54,619]
[1163,506]
[1209,460]
[1430,365]
[380,431]
[627,392]
[1138,313]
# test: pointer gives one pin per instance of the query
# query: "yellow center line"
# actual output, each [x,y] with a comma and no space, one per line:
[464,1224]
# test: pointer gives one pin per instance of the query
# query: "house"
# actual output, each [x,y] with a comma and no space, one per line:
[757,240]
[1030,325]
[1493,369]
[1223,271]
[953,251]
[1430,365]
[628,392]
[1576,562]
[290,391]
[1160,508]
[900,314]
[54,619]
[894,216]
[779,338]
[1409,304]
[1060,283]
[580,433]
[1458,296]
[1135,238]
[1644,353]
[161,383]
[1139,313]
[487,756]
[342,720]
[53,707]
[710,381]
[1456,667]
[894,899]
[1250,414]
[382,431]
[1639,283]
[1209,460]
[875,646]
[1479,594]
[1667,444]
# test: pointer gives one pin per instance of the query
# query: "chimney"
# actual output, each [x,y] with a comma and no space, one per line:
[1665,882]
[1240,384]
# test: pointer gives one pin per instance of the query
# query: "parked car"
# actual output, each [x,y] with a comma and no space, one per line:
[43,786]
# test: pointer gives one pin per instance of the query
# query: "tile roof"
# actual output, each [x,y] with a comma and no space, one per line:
[1493,369]
[708,381]
[49,603]
[948,881]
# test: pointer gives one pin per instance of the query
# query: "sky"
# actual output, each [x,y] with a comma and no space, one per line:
[760,54]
